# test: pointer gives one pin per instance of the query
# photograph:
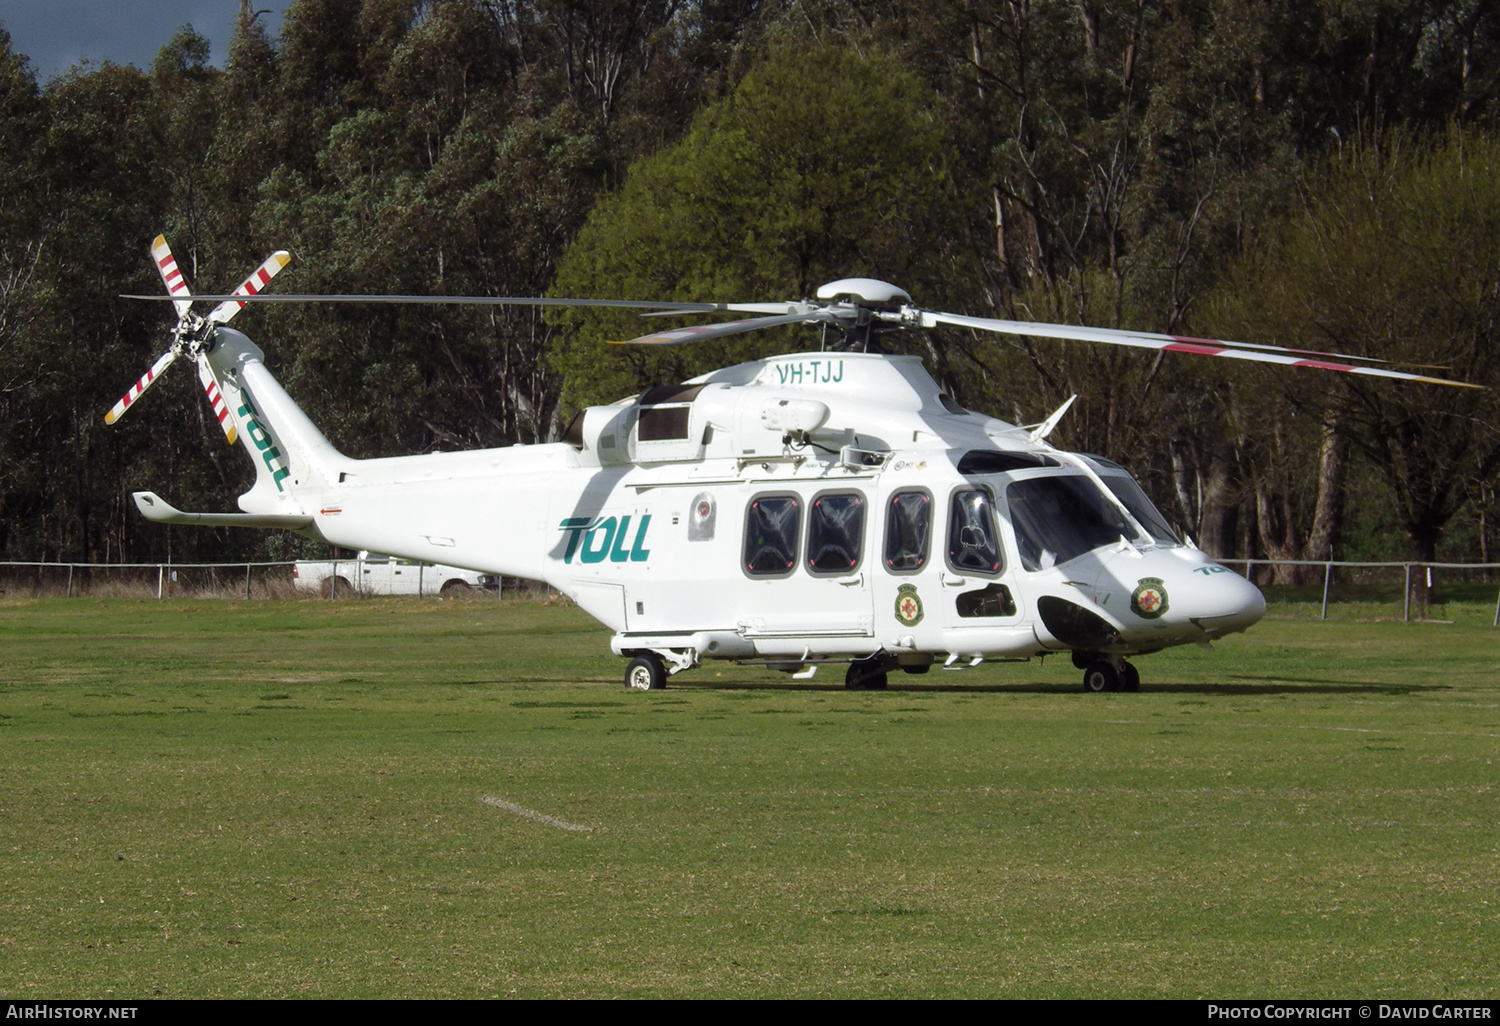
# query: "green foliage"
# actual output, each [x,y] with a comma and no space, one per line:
[1396,257]
[823,163]
[1098,161]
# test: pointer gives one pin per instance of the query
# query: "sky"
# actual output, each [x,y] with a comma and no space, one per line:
[57,34]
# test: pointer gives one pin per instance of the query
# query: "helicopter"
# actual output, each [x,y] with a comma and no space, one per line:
[830,507]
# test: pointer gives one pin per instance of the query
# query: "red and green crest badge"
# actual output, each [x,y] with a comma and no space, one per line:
[1149,600]
[908,605]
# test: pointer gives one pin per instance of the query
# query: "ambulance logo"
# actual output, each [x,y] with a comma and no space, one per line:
[908,605]
[1149,600]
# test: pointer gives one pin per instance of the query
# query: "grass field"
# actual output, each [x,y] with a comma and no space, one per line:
[286,799]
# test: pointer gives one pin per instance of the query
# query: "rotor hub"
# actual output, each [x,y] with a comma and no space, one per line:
[863,291]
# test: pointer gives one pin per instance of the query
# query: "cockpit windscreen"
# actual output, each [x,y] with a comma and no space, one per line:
[1060,518]
[1141,507]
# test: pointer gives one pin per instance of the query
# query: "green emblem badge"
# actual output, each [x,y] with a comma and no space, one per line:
[1149,600]
[908,605]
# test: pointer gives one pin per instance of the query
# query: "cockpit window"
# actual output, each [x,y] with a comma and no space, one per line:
[1134,499]
[1060,518]
[973,543]
[996,461]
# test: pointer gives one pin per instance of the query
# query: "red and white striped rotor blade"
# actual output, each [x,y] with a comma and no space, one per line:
[171,274]
[1172,344]
[216,400]
[251,286]
[137,389]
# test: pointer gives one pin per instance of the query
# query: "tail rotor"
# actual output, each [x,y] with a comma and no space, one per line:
[193,335]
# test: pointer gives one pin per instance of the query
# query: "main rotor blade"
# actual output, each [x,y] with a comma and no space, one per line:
[177,286]
[1056,331]
[757,308]
[698,332]
[1174,344]
[137,389]
[250,286]
[623,304]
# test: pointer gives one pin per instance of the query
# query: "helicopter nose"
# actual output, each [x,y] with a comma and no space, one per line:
[1221,601]
[1180,590]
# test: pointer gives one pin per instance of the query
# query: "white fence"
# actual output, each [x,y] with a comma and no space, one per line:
[1483,572]
[173,580]
[1341,581]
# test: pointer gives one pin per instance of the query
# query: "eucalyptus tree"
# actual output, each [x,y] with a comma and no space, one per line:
[821,164]
[1395,255]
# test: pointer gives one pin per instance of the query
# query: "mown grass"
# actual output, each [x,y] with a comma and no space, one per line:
[284,799]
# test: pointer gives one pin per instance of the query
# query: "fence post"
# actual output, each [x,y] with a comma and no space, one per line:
[70,580]
[161,580]
[1327,579]
[420,596]
[1406,603]
[247,582]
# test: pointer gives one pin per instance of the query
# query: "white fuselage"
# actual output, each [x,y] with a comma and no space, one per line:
[776,511]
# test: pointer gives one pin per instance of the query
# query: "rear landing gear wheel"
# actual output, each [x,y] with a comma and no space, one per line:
[646,673]
[1101,676]
[866,675]
[1130,678]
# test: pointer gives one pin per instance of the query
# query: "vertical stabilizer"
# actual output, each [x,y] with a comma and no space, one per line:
[290,454]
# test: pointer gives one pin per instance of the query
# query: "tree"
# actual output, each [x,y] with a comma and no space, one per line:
[822,164]
[25,309]
[1395,256]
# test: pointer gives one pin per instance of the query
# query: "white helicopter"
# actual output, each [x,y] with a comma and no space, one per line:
[813,508]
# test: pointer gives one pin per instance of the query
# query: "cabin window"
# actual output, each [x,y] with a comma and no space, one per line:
[772,524]
[908,532]
[835,532]
[1060,518]
[973,542]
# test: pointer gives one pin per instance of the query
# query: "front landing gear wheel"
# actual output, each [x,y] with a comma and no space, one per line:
[646,673]
[866,675]
[1101,676]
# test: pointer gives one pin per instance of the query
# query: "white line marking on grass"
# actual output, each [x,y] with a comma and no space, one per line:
[1313,726]
[521,810]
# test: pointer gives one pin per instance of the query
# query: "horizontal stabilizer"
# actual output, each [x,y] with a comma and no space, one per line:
[154,507]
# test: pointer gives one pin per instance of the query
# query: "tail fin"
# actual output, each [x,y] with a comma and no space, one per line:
[290,454]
